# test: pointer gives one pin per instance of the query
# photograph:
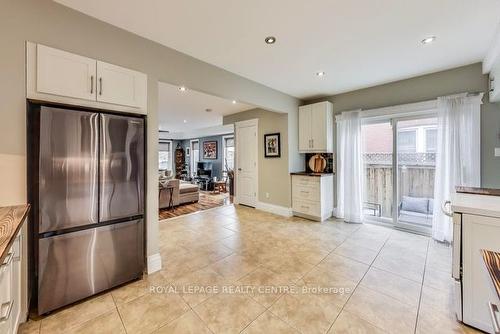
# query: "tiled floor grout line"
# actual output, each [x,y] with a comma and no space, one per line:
[196,314]
[357,284]
[314,267]
[421,288]
[118,311]
[121,319]
[277,299]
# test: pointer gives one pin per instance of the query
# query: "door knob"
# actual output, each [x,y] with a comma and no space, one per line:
[239,169]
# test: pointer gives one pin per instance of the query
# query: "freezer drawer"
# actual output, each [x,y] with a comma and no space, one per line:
[122,167]
[76,265]
[68,169]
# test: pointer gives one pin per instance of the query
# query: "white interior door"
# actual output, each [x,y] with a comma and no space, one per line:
[246,162]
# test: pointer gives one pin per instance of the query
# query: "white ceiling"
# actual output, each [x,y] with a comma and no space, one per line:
[175,107]
[358,43]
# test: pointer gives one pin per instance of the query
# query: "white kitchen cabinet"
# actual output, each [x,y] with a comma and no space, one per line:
[119,85]
[316,128]
[65,74]
[62,77]
[478,232]
[312,196]
[10,289]
[305,114]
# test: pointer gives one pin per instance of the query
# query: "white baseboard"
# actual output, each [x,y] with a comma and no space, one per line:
[276,209]
[154,263]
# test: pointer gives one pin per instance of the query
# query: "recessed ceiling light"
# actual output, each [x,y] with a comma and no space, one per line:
[428,40]
[208,110]
[185,121]
[234,101]
[270,39]
[182,88]
[320,74]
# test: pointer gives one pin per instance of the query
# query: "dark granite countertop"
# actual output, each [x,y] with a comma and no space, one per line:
[478,191]
[311,174]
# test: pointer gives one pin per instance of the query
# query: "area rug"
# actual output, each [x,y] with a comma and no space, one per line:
[207,201]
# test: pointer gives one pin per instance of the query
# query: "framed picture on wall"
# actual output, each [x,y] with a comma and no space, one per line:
[272,145]
[210,150]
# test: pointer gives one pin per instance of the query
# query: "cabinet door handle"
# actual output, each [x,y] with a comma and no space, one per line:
[304,192]
[494,319]
[492,87]
[100,86]
[312,143]
[91,84]
[7,261]
[6,317]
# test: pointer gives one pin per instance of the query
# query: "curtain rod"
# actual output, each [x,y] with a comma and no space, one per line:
[474,93]
[413,106]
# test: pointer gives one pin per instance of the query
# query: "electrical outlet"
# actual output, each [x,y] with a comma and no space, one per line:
[497,151]
[267,195]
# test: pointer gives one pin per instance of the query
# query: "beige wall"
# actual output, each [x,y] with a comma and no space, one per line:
[462,79]
[46,22]
[274,177]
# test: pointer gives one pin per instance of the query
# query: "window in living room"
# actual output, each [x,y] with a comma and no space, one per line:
[195,156]
[228,153]
[165,155]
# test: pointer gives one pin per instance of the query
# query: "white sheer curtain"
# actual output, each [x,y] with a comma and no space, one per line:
[349,167]
[458,154]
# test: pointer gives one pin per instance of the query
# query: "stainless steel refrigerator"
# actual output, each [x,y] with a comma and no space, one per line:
[90,204]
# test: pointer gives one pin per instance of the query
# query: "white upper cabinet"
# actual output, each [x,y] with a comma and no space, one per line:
[65,74]
[63,77]
[305,113]
[119,85]
[316,128]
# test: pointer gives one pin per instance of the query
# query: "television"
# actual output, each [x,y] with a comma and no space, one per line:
[204,169]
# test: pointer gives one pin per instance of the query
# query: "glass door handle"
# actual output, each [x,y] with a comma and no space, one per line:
[446,212]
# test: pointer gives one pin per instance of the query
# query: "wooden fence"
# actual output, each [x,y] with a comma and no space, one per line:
[414,181]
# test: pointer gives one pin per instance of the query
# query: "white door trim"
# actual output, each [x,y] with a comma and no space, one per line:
[237,125]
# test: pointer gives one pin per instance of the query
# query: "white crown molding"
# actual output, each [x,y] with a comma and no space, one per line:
[154,263]
[276,209]
[493,54]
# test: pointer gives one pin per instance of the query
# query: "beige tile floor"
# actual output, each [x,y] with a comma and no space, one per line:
[239,270]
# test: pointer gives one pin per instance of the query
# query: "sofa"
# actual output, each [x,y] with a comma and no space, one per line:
[183,192]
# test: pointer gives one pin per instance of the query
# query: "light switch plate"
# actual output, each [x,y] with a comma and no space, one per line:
[497,151]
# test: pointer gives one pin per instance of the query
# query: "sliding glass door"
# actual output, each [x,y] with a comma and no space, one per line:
[408,146]
[377,150]
[416,164]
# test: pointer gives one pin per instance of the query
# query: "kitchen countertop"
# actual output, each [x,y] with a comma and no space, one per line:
[492,262]
[478,191]
[483,205]
[11,220]
[311,174]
